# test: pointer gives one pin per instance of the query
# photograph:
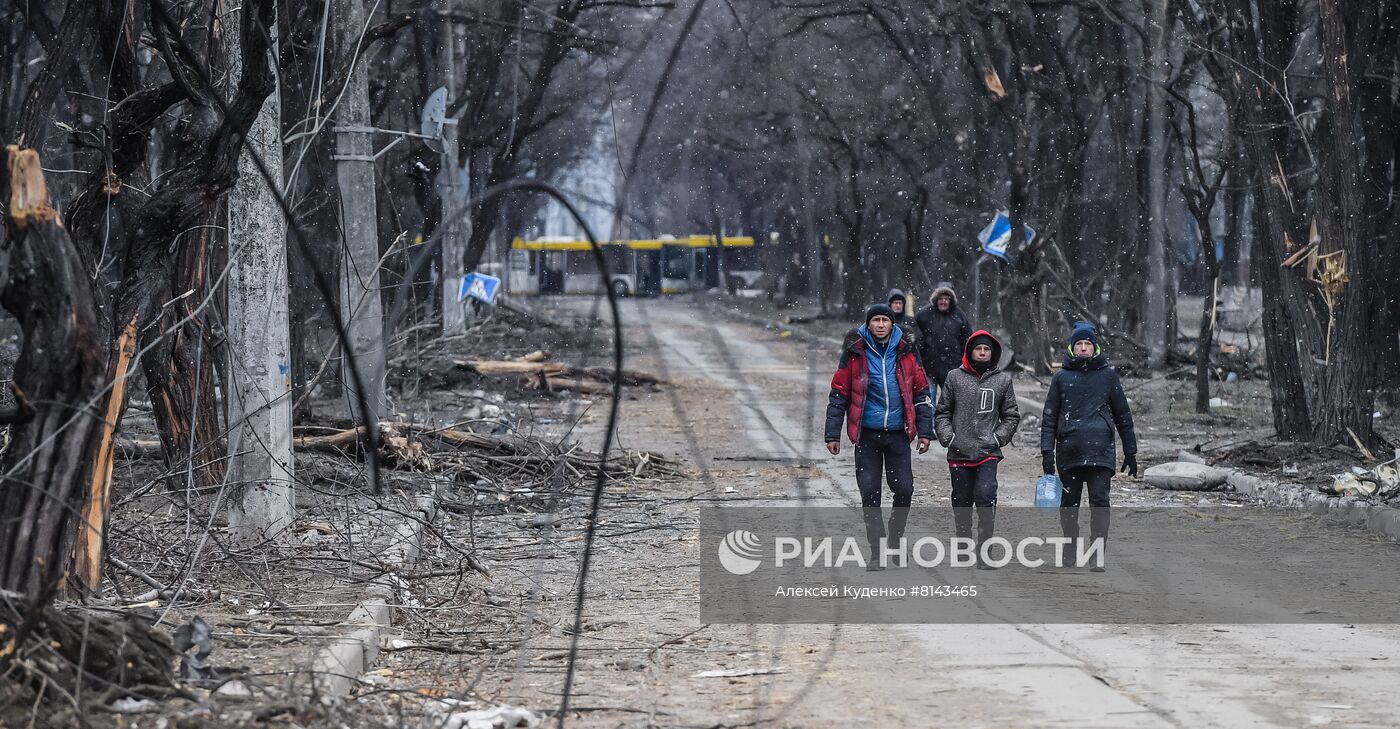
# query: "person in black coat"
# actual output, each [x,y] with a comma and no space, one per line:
[908,327]
[943,330]
[1083,408]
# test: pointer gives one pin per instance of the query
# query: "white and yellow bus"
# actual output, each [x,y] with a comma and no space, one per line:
[665,265]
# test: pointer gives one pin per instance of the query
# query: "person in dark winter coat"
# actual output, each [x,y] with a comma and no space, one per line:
[906,323]
[880,393]
[943,330]
[976,417]
[1083,408]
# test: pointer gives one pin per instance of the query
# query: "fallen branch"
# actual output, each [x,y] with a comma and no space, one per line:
[508,367]
[399,449]
[550,384]
[402,446]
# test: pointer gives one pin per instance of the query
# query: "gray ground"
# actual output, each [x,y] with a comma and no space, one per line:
[746,399]
[743,411]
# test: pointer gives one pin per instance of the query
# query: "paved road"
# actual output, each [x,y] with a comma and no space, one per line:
[1020,674]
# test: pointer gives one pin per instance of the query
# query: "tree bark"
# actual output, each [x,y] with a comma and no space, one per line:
[58,377]
[181,374]
[36,114]
[1263,40]
[1155,320]
[1349,274]
[87,554]
[1210,276]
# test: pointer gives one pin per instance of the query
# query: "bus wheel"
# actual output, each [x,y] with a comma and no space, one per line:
[619,288]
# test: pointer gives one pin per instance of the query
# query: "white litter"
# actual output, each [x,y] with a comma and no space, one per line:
[129,705]
[1382,481]
[234,690]
[736,672]
[499,717]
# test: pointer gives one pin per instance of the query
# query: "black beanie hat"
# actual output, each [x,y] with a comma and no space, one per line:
[981,339]
[878,310]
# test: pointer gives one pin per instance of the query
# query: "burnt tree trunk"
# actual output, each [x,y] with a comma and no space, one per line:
[58,378]
[180,373]
[186,198]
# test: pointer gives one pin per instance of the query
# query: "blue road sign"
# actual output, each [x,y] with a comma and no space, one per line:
[997,234]
[479,286]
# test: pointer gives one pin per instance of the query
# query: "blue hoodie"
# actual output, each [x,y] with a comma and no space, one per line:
[884,406]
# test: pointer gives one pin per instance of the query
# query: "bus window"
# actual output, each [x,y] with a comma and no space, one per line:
[676,262]
[619,259]
[582,263]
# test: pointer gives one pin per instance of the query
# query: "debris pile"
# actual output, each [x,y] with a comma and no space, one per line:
[542,374]
[416,447]
[1381,482]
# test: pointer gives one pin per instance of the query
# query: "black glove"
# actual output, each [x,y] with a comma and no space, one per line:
[1130,465]
[1047,459]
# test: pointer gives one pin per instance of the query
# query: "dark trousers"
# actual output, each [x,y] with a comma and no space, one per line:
[887,452]
[975,487]
[1098,479]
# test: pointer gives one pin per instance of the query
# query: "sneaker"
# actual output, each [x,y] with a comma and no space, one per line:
[1096,568]
[874,567]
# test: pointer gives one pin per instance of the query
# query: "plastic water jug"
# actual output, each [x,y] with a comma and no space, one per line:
[1047,492]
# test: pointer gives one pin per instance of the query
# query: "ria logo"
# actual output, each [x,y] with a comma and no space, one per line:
[739,552]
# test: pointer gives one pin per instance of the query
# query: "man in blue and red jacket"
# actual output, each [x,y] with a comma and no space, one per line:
[881,393]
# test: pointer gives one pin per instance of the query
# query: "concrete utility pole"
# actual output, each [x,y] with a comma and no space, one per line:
[456,230]
[1155,317]
[258,397]
[360,306]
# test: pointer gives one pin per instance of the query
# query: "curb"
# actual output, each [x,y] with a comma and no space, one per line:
[337,665]
[1351,510]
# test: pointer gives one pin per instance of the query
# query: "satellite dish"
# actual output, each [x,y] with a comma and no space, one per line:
[433,117]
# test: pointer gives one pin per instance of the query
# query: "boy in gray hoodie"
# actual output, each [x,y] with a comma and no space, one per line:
[976,416]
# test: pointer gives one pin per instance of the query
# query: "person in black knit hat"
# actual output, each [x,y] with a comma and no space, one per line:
[1083,408]
[881,394]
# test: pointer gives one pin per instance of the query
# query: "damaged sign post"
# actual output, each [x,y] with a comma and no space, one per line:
[479,286]
[996,237]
